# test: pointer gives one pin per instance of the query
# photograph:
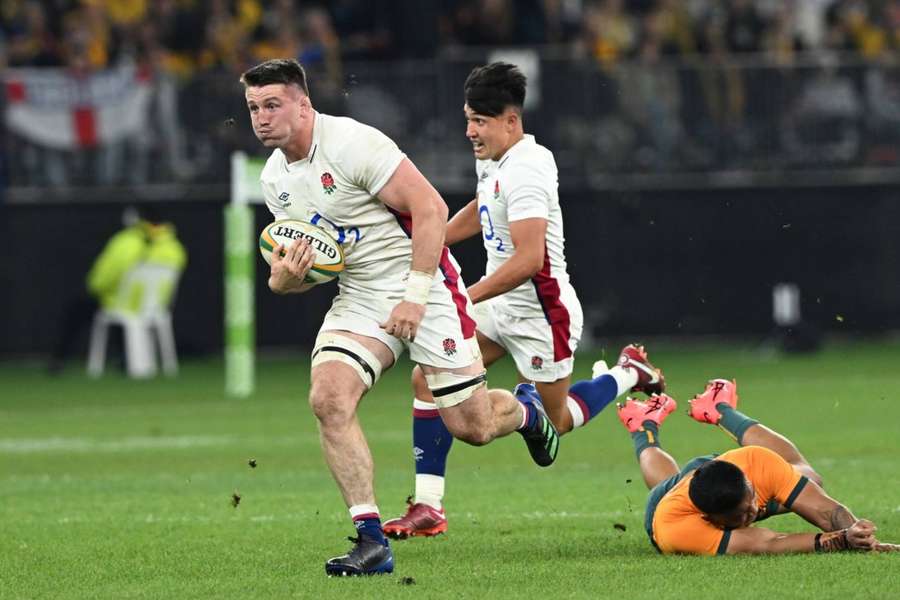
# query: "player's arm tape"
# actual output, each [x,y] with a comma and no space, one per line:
[833,541]
[418,287]
[330,346]
[449,389]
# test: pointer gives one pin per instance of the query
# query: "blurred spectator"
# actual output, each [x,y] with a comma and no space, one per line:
[363,27]
[823,125]
[321,56]
[780,41]
[175,33]
[851,28]
[743,27]
[721,123]
[892,23]
[30,39]
[563,20]
[882,93]
[610,34]
[228,37]
[778,80]
[676,26]
[651,98]
[484,23]
[123,13]
[810,16]
[141,240]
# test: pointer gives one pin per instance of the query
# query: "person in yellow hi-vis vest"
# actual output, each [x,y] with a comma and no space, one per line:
[141,240]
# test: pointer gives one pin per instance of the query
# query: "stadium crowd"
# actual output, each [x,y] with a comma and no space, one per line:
[185,36]
[662,85]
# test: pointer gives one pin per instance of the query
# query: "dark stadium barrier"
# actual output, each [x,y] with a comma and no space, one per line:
[685,262]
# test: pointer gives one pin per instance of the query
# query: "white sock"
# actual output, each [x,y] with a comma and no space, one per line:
[364,509]
[575,411]
[625,378]
[422,405]
[524,416]
[429,490]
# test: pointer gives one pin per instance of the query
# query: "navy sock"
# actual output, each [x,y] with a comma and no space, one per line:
[593,395]
[734,422]
[646,437]
[370,526]
[526,394]
[431,442]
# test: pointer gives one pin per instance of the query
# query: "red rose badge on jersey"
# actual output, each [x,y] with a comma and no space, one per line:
[328,183]
[496,189]
[537,363]
[449,347]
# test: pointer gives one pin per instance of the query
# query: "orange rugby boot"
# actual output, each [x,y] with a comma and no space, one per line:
[633,413]
[703,406]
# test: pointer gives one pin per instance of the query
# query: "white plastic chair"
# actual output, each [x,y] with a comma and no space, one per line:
[142,308]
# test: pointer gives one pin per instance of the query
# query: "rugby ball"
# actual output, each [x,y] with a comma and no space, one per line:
[329,259]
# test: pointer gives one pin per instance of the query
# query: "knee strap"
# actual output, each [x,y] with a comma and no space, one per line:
[332,346]
[449,389]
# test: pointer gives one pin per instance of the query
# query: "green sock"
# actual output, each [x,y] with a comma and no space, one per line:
[646,437]
[734,422]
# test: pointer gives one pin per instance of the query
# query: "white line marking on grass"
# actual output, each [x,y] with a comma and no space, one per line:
[167,442]
[556,515]
[127,444]
[154,519]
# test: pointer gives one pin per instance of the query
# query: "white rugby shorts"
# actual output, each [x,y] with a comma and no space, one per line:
[542,350]
[446,335]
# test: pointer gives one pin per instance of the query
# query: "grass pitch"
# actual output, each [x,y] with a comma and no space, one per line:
[124,489]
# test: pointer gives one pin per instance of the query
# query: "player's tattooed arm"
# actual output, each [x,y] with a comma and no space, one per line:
[820,509]
[840,518]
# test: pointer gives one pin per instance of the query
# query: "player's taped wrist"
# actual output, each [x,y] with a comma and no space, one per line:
[418,287]
[833,541]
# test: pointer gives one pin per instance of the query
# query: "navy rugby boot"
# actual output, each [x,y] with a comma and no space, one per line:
[539,432]
[368,556]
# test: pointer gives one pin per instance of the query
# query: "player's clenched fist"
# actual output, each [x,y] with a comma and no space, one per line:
[289,270]
[861,535]
[404,320]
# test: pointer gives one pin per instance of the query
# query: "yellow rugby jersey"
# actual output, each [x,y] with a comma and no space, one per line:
[679,526]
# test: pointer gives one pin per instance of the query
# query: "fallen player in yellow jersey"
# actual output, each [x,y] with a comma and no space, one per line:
[708,507]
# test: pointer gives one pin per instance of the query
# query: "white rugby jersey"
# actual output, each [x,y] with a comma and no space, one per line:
[523,184]
[336,187]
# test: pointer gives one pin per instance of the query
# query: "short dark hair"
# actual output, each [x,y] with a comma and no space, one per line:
[491,88]
[286,71]
[717,487]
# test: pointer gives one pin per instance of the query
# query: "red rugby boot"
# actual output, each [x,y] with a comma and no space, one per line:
[650,379]
[419,520]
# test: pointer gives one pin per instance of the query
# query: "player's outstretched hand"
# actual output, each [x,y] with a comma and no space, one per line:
[404,320]
[861,535]
[289,270]
[884,547]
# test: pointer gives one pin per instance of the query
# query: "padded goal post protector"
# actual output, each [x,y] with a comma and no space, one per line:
[240,257]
